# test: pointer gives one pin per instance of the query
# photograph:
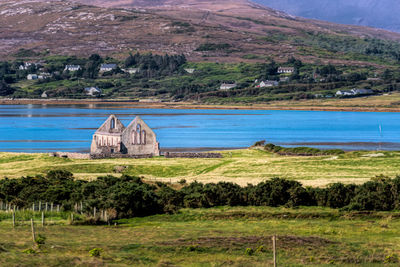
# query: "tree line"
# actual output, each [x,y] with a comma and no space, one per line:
[129,196]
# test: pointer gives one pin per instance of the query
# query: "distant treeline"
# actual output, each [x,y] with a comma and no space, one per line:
[130,196]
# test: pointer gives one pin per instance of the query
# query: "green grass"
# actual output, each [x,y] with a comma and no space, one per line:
[214,237]
[238,166]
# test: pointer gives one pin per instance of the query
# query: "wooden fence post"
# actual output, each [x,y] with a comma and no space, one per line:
[33,231]
[274,248]
[42,218]
[13,218]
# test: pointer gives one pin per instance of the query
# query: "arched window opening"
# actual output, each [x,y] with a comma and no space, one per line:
[134,137]
[144,137]
[139,137]
[112,123]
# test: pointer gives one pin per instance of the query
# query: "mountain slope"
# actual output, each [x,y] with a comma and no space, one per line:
[374,13]
[229,30]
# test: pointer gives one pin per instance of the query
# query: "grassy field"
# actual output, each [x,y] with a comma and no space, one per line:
[238,166]
[213,237]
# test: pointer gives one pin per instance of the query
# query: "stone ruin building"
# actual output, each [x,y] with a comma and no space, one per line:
[113,139]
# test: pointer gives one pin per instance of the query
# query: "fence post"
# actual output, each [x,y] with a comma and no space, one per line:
[33,207]
[33,231]
[40,205]
[42,218]
[274,248]
[13,218]
[51,206]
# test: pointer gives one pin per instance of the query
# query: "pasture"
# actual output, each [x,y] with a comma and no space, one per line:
[238,166]
[221,236]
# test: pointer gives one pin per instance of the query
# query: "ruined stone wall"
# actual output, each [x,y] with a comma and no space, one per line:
[139,139]
[70,155]
[191,155]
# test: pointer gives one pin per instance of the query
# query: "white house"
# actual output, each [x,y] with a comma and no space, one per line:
[107,67]
[344,93]
[131,70]
[32,77]
[354,92]
[285,70]
[267,84]
[227,86]
[189,70]
[72,68]
[25,66]
[362,91]
[92,91]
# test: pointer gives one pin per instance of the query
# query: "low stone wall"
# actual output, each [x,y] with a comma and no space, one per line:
[191,155]
[70,155]
[118,156]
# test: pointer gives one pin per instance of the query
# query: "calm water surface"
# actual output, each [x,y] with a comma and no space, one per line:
[45,128]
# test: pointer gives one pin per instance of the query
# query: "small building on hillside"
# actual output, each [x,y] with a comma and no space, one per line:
[191,71]
[354,92]
[227,86]
[344,93]
[131,70]
[285,70]
[267,84]
[113,139]
[362,91]
[107,67]
[32,77]
[92,91]
[72,68]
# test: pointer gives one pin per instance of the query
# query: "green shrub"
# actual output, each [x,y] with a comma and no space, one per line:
[249,251]
[96,252]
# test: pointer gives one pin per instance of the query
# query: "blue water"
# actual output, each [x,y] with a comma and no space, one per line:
[45,128]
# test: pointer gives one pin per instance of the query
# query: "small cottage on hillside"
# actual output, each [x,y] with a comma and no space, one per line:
[92,91]
[227,86]
[113,139]
[285,70]
[107,67]
[267,84]
[72,68]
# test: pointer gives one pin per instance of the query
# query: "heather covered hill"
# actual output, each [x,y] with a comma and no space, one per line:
[223,31]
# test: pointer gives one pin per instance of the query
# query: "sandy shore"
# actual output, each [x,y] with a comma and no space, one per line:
[190,105]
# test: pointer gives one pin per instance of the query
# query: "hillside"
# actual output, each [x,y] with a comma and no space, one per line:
[227,31]
[374,13]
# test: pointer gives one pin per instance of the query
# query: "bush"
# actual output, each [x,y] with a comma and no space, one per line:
[96,252]
[249,251]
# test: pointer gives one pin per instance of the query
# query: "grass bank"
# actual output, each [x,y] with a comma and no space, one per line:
[214,237]
[238,166]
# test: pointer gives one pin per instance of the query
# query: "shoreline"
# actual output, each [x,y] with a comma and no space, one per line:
[191,105]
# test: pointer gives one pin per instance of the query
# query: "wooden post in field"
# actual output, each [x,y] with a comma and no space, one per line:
[46,206]
[42,218]
[94,212]
[274,248]
[51,206]
[33,231]
[33,207]
[40,205]
[13,218]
